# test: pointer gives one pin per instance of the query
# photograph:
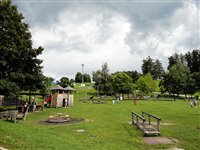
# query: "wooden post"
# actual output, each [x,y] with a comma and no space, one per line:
[15,118]
[149,119]
[133,119]
[137,121]
[158,125]
[143,124]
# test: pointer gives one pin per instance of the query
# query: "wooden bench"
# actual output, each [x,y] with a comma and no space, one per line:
[14,116]
[3,114]
[145,125]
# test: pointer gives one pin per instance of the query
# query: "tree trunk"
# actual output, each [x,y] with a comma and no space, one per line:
[29,97]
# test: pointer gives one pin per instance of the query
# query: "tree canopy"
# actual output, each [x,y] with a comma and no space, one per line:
[122,83]
[145,84]
[103,80]
[19,65]
[177,80]
[78,77]
[154,67]
[193,60]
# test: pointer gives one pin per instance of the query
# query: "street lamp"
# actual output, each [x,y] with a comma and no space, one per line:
[82,73]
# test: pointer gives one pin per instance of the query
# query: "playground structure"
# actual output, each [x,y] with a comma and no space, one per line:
[59,95]
[95,99]
[59,118]
[146,126]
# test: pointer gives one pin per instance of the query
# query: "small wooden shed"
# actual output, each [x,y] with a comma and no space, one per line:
[58,94]
[68,93]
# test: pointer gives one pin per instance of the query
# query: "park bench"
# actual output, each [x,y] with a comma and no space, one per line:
[3,114]
[146,125]
[14,115]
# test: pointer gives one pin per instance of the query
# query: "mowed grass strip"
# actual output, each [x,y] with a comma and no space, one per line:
[106,127]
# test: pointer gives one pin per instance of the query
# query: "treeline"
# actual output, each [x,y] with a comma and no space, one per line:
[183,74]
[181,77]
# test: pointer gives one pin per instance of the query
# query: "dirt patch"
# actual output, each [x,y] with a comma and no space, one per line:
[175,148]
[158,140]
[72,120]
[163,123]
[89,120]
[80,130]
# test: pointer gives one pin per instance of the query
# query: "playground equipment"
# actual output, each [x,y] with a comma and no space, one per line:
[95,99]
[60,94]
[59,118]
[48,99]
[146,126]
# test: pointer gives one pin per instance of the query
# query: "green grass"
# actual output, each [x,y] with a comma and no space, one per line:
[106,127]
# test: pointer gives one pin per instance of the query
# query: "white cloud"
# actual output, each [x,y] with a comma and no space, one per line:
[74,40]
[93,34]
[177,34]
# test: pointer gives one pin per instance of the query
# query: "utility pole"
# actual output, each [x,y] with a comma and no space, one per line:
[82,73]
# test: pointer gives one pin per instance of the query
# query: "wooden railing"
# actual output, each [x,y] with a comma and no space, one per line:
[138,120]
[145,125]
[149,119]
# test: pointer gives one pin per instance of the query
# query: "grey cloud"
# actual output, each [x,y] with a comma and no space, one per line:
[40,13]
[148,19]
[145,15]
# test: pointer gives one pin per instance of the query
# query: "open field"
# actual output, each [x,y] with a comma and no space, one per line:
[106,127]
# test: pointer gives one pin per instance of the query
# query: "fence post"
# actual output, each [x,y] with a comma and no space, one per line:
[132,118]
[137,121]
[159,125]
[149,119]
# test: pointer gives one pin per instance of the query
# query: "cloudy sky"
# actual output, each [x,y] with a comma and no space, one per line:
[121,33]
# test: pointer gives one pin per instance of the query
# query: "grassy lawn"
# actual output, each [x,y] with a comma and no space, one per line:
[106,127]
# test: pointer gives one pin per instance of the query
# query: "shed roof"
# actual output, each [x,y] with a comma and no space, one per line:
[69,88]
[57,87]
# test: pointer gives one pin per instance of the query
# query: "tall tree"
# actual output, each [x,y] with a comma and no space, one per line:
[96,77]
[148,65]
[46,84]
[78,77]
[103,80]
[106,79]
[177,80]
[19,65]
[154,67]
[86,77]
[134,75]
[193,60]
[122,83]
[145,84]
[158,69]
[174,59]
[64,82]
[196,77]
